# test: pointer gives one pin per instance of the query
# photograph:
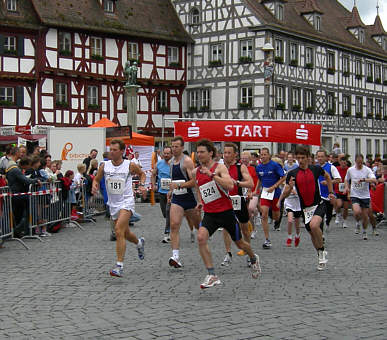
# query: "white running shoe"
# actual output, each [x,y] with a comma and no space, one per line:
[256,268]
[253,234]
[337,220]
[210,281]
[322,260]
[357,229]
[227,261]
[365,236]
[345,224]
[175,262]
[375,232]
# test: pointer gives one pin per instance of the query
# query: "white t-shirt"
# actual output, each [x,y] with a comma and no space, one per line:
[358,189]
[137,161]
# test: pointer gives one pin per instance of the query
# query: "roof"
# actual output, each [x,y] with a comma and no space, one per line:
[153,19]
[334,24]
[354,20]
[309,6]
[377,27]
[25,17]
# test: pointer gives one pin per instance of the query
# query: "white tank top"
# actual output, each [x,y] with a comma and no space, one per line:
[118,182]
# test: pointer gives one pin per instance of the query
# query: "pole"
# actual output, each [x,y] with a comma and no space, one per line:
[162,130]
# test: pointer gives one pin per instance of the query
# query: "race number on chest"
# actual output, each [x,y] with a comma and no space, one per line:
[209,192]
[115,186]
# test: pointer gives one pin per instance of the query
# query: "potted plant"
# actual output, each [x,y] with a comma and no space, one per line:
[296,108]
[204,108]
[378,116]
[245,60]
[309,109]
[346,74]
[369,79]
[97,57]
[280,106]
[294,62]
[215,63]
[358,76]
[192,109]
[370,115]
[164,109]
[279,59]
[65,53]
[330,112]
[385,82]
[62,104]
[309,66]
[331,70]
[378,81]
[93,106]
[244,105]
[6,103]
[11,52]
[346,113]
[174,65]
[359,115]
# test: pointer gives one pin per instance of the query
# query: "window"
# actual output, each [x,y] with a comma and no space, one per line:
[359,105]
[173,55]
[384,74]
[309,56]
[317,22]
[193,100]
[331,60]
[330,102]
[346,105]
[377,147]
[217,53]
[369,146]
[293,52]
[384,147]
[199,100]
[12,5]
[132,51]
[64,43]
[92,96]
[279,48]
[326,143]
[9,44]
[358,65]
[370,106]
[357,145]
[346,64]
[247,48]
[370,73]
[309,101]
[361,35]
[195,16]
[296,98]
[279,12]
[96,46]
[108,6]
[61,94]
[205,100]
[378,74]
[385,109]
[246,96]
[344,145]
[162,103]
[378,107]
[7,95]
[280,97]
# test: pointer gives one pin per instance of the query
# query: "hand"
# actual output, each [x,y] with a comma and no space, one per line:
[172,186]
[271,189]
[291,181]
[94,188]
[206,171]
[144,192]
[331,197]
[199,207]
[324,182]
[154,187]
[278,204]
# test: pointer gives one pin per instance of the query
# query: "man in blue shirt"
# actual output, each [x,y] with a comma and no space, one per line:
[162,173]
[271,175]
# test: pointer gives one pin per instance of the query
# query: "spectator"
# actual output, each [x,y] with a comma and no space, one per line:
[5,159]
[58,166]
[18,183]
[24,164]
[33,171]
[93,167]
[93,155]
[36,151]
[336,148]
[254,159]
[68,181]
[23,151]
[136,159]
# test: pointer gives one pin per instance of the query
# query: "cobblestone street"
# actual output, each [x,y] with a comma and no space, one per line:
[60,288]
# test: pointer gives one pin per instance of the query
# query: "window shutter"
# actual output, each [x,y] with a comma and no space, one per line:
[20,46]
[19,96]
[2,44]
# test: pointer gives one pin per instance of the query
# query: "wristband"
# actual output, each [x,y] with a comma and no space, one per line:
[213,175]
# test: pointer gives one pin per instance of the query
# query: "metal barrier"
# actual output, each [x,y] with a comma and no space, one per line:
[46,206]
[6,217]
[85,202]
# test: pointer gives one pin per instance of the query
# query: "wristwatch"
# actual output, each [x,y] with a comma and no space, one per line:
[213,175]
[237,183]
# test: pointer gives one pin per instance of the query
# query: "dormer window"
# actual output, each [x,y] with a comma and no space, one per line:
[361,35]
[11,5]
[194,16]
[108,6]
[279,12]
[317,22]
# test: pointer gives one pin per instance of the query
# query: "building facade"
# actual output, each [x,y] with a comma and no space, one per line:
[329,68]
[63,65]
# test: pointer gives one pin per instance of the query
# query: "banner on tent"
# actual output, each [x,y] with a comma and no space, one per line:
[244,131]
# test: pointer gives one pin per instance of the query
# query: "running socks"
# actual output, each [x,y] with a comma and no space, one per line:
[175,253]
[253,260]
[211,271]
[120,264]
[229,253]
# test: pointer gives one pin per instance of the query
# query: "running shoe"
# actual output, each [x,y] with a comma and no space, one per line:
[241,253]
[266,244]
[256,268]
[288,242]
[322,260]
[253,234]
[248,262]
[296,241]
[375,232]
[277,226]
[210,281]
[140,249]
[357,229]
[45,234]
[227,261]
[117,271]
[166,239]
[174,262]
[345,225]
[365,236]
[192,237]
[337,220]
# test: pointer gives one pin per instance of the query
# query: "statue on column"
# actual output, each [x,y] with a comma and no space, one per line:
[131,73]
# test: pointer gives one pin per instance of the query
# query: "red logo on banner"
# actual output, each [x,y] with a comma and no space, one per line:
[250,131]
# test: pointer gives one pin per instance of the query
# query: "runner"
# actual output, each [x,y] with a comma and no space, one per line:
[305,180]
[183,201]
[322,158]
[213,181]
[360,177]
[162,172]
[117,172]
[342,200]
[241,179]
[271,175]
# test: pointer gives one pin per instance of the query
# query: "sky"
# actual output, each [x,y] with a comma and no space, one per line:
[367,10]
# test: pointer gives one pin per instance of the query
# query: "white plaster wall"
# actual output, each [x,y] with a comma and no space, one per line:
[29,49]
[10,64]
[51,38]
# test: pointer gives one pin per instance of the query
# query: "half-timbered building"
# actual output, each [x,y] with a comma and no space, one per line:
[329,67]
[62,62]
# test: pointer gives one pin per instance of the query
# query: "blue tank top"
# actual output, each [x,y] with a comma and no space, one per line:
[163,171]
[324,191]
[178,175]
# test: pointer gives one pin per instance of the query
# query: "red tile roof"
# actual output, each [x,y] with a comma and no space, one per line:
[354,20]
[309,6]
[377,27]
[25,16]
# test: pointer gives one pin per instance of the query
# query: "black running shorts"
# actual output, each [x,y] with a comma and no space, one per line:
[225,219]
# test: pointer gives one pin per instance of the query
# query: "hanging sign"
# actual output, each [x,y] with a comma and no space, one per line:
[247,131]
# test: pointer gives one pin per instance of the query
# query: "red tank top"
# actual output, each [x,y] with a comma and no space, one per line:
[233,171]
[342,173]
[209,190]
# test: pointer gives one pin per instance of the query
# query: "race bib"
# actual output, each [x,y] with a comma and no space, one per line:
[179,191]
[209,192]
[236,202]
[341,187]
[115,186]
[164,183]
[309,212]
[358,185]
[267,195]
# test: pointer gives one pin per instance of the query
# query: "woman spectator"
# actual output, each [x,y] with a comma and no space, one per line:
[93,168]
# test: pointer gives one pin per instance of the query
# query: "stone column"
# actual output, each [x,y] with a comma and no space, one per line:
[131,105]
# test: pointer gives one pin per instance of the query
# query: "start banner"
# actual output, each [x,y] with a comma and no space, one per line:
[247,131]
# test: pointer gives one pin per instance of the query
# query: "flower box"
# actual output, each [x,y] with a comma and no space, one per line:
[330,112]
[369,79]
[346,74]
[215,63]
[245,60]
[62,104]
[280,106]
[296,108]
[279,60]
[244,105]
[309,109]
[175,65]
[378,81]
[331,70]
[309,66]
[346,113]
[93,106]
[294,62]
[97,57]
[359,115]
[204,108]
[192,109]
[6,103]
[65,53]
[358,76]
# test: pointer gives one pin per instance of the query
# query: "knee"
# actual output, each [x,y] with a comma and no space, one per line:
[119,232]
[202,238]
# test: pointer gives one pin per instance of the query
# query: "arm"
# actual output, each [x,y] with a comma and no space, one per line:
[223,178]
[153,179]
[97,179]
[247,181]
[135,169]
[285,193]
[189,166]
[330,185]
[277,184]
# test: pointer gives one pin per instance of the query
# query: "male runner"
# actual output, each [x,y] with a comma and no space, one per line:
[342,200]
[241,179]
[118,179]
[272,176]
[360,177]
[183,201]
[213,181]
[305,179]
[163,173]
